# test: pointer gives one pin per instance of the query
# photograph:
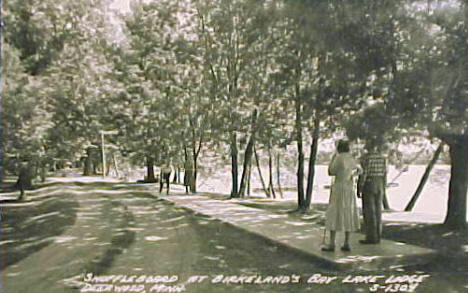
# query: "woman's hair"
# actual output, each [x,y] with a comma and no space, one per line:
[343,146]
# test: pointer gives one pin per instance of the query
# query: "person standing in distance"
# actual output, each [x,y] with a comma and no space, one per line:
[166,171]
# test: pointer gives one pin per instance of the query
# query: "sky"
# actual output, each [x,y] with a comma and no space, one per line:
[121,5]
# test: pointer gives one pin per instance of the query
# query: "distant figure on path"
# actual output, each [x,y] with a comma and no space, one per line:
[165,176]
[22,182]
[371,187]
[188,173]
[342,213]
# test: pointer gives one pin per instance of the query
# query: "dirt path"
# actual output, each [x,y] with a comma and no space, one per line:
[88,244]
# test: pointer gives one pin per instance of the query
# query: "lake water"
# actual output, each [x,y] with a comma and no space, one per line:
[433,199]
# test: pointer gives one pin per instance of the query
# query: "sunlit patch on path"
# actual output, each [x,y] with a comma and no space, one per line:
[63,239]
[155,238]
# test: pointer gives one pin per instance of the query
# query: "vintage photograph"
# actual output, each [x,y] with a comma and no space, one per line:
[234,146]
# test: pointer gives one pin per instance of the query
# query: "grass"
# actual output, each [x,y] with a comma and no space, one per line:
[450,245]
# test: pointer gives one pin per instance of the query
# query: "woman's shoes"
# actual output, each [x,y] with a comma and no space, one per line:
[365,241]
[345,248]
[328,248]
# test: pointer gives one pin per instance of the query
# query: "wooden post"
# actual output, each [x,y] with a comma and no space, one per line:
[103,155]
[115,166]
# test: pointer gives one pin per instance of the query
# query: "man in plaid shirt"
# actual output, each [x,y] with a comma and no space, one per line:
[371,187]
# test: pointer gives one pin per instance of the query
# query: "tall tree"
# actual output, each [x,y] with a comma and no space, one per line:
[148,96]
[315,72]
[43,33]
[439,72]
[449,105]
[229,34]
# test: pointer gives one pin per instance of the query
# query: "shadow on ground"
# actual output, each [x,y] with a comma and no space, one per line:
[452,246]
[28,226]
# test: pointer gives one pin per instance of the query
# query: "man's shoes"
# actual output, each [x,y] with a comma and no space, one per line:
[365,241]
[328,248]
[345,248]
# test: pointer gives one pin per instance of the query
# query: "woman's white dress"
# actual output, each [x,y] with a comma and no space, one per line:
[342,213]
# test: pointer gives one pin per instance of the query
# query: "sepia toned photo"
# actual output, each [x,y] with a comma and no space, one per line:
[234,146]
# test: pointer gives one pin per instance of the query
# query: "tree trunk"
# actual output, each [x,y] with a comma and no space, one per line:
[248,154]
[35,168]
[195,153]
[107,170]
[248,180]
[114,160]
[150,169]
[278,175]
[234,168]
[424,178]
[87,168]
[95,168]
[271,188]
[246,166]
[28,176]
[193,181]
[458,186]
[175,179]
[300,156]
[43,171]
[188,172]
[267,193]
[88,163]
[312,160]
[385,203]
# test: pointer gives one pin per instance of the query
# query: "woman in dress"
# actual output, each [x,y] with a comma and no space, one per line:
[342,213]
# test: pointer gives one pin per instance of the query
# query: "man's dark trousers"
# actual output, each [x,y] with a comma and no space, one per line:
[372,195]
[165,177]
